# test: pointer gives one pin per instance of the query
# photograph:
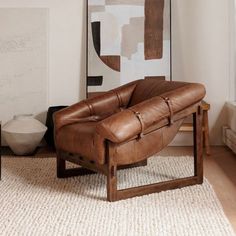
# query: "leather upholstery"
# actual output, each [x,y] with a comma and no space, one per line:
[95,108]
[138,119]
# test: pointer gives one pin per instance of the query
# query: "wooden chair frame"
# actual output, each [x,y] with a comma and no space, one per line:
[110,168]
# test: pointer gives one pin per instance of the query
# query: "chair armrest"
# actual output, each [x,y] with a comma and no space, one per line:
[139,118]
[70,115]
[131,122]
[119,127]
[84,111]
[96,108]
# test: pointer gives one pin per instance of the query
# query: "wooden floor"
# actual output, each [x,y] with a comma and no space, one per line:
[220,170]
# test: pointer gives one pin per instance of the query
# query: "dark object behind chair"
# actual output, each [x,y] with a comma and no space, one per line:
[49,135]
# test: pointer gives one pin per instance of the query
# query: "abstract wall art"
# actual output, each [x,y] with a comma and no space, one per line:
[127,40]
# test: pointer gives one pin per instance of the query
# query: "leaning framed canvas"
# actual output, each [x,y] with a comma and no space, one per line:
[127,40]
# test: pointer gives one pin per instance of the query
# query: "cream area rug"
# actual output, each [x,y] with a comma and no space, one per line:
[34,202]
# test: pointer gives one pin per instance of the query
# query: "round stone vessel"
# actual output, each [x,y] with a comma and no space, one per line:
[23,134]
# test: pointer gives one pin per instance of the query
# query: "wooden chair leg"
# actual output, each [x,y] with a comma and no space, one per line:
[62,172]
[198,145]
[61,167]
[206,133]
[112,184]
[111,177]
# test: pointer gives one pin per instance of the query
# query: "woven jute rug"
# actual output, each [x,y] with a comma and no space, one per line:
[34,202]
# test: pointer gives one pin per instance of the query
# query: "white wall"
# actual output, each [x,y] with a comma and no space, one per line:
[201,50]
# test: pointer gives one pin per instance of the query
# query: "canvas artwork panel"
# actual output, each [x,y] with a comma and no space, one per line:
[127,40]
[23,61]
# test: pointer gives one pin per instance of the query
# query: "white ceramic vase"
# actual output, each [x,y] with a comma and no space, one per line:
[23,134]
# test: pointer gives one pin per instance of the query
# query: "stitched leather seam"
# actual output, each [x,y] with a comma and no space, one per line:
[119,98]
[91,111]
[169,104]
[140,119]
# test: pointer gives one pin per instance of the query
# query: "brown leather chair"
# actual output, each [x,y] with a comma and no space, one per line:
[125,126]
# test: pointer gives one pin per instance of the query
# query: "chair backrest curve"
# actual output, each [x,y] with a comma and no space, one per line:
[151,87]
